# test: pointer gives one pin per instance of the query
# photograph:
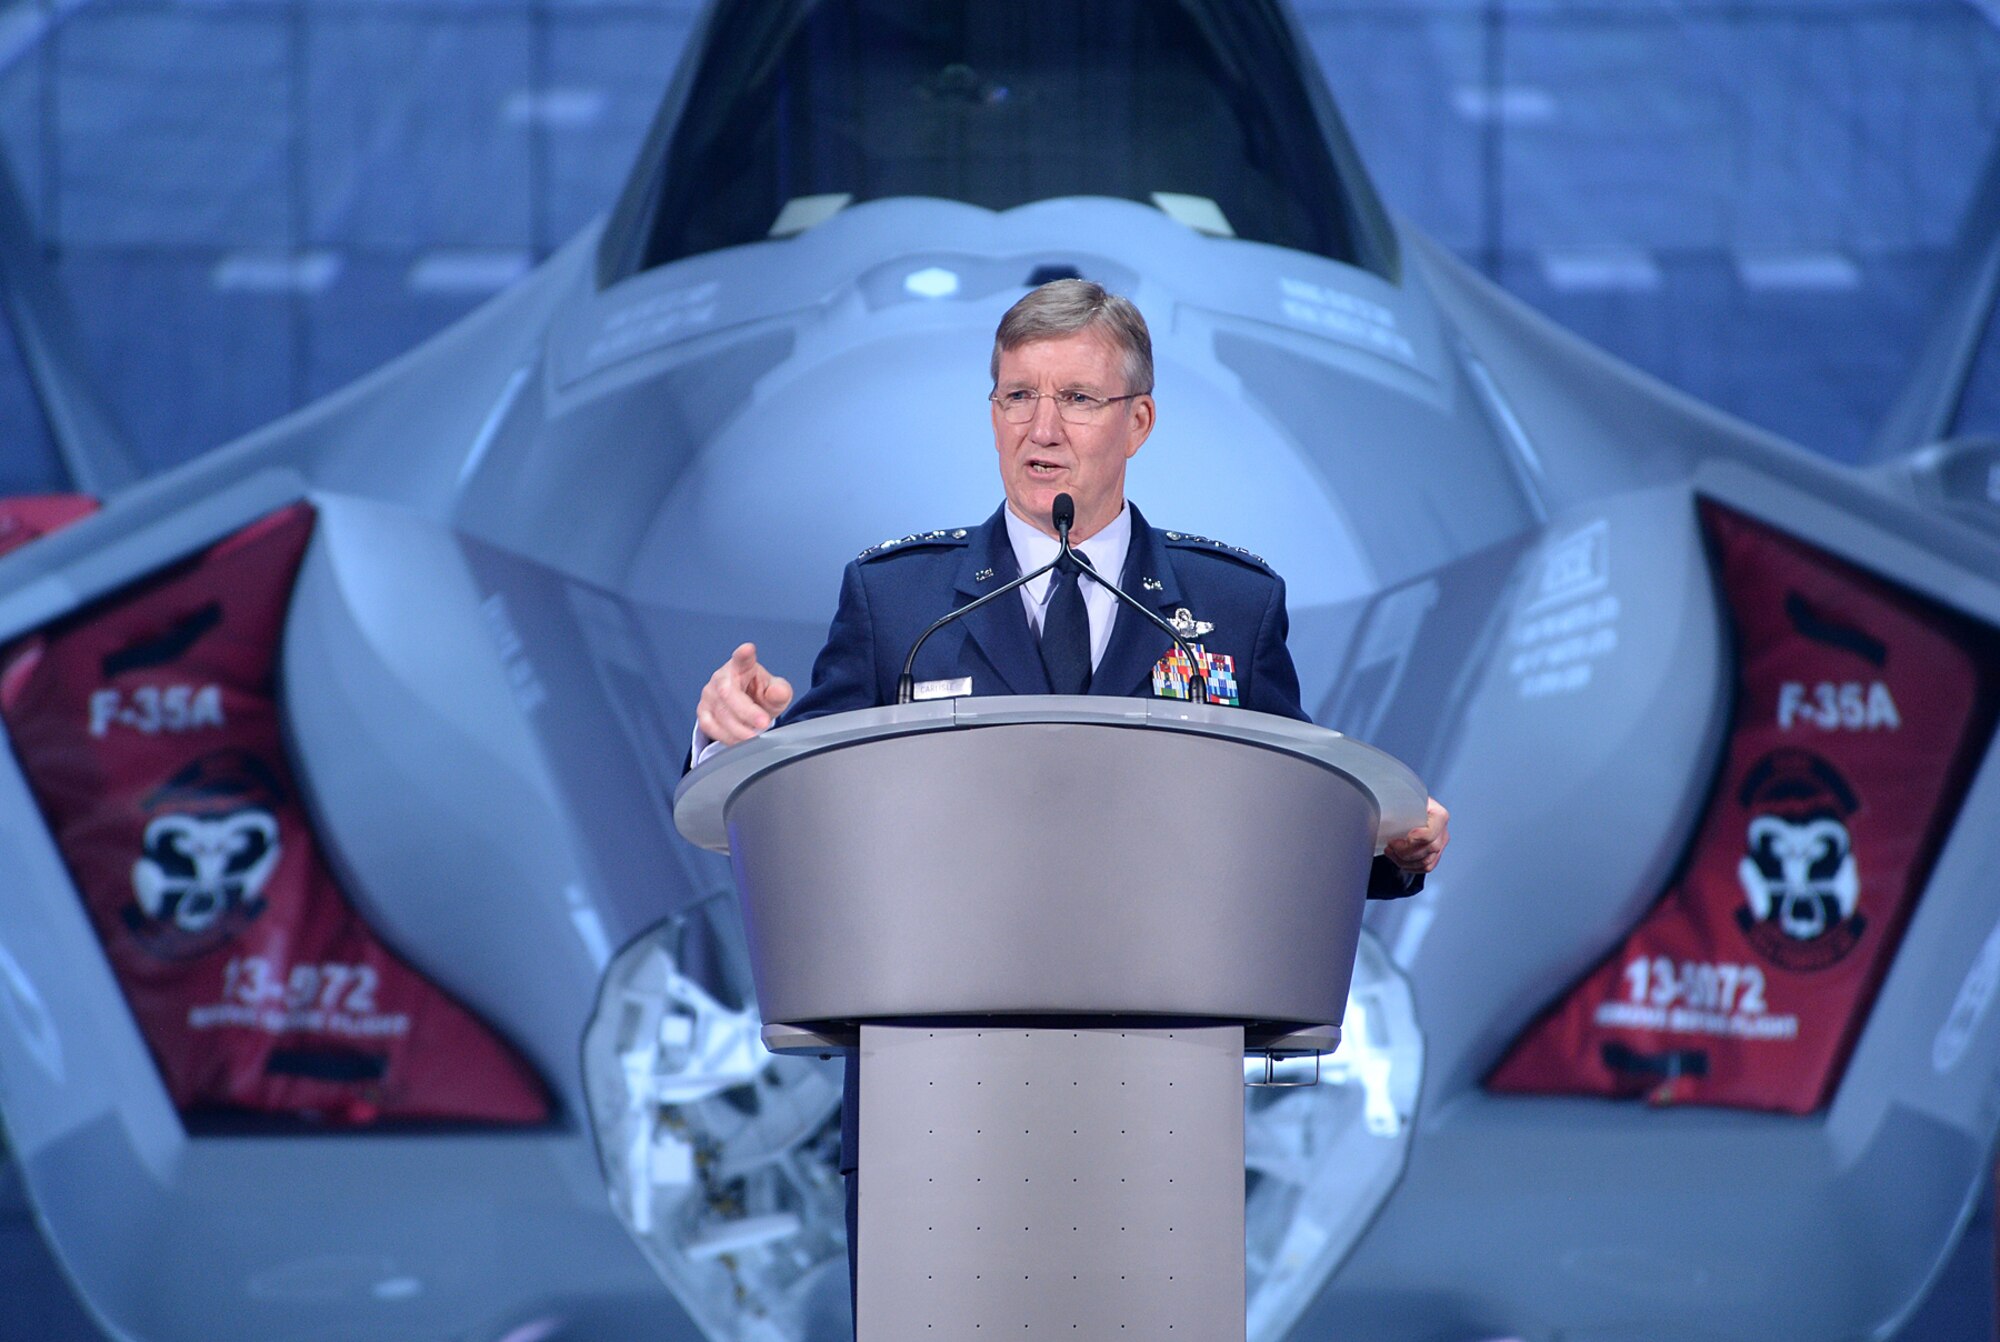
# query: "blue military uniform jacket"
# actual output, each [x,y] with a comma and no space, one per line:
[891,594]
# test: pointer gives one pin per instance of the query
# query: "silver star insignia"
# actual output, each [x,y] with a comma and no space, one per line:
[1150,584]
[982,575]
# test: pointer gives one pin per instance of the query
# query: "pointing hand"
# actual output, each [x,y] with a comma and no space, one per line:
[741,699]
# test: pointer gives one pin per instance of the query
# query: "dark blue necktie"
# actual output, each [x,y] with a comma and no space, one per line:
[1066,632]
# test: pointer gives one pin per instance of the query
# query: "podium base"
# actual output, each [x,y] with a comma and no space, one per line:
[1081,1182]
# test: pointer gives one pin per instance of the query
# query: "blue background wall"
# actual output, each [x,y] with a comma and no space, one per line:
[253,201]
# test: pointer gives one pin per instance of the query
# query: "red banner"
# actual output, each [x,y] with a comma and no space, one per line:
[1861,710]
[30,516]
[149,729]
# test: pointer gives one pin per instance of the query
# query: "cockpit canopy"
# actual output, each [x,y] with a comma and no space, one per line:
[1207,109]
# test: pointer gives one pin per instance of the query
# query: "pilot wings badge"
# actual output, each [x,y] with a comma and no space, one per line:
[1187,626]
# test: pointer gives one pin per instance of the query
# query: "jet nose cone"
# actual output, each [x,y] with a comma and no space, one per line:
[885,434]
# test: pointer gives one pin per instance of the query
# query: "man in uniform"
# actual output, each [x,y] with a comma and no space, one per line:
[1071,404]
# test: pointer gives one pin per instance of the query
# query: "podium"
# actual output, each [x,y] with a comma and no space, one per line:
[1051,927]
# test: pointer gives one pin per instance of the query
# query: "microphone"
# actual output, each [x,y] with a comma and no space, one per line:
[1197,678]
[1062,514]
[906,686]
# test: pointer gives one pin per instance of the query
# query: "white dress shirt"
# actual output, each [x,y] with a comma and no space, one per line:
[1106,552]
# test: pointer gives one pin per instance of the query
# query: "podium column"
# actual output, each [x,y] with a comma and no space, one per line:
[1072,1181]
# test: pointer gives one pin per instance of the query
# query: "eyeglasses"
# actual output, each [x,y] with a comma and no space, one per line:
[1076,407]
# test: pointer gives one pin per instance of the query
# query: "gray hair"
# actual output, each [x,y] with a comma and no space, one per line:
[1063,308]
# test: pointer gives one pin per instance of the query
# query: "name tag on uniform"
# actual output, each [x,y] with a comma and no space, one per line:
[943,689]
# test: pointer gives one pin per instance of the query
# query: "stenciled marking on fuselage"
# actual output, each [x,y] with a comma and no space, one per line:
[1346,317]
[651,321]
[1570,621]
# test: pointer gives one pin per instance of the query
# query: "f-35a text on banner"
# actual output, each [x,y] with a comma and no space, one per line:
[1860,712]
[148,727]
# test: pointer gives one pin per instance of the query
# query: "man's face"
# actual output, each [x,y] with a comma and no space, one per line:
[1049,455]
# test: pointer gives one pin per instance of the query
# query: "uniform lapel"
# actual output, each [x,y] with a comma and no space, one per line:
[1127,665]
[1000,629]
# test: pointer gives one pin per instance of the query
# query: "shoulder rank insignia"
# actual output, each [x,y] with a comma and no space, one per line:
[915,538]
[1188,538]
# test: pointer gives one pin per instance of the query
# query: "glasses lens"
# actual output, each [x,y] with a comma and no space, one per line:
[1078,408]
[1018,407]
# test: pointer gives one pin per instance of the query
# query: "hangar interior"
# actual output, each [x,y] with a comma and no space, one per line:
[252,202]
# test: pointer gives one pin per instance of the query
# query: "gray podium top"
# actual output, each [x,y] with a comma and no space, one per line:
[1051,855]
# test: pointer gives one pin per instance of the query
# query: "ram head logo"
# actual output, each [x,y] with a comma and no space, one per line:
[1801,887]
[194,869]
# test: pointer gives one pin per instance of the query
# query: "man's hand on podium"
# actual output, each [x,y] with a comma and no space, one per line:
[1419,850]
[741,699]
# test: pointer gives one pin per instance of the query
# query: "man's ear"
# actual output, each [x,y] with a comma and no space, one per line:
[1141,429]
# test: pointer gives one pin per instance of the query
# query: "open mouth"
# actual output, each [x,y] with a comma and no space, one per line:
[1043,469]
